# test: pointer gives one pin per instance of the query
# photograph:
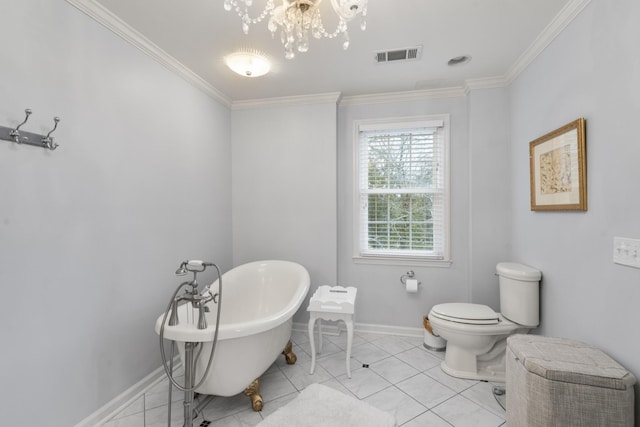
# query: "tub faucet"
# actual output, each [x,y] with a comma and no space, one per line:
[191,295]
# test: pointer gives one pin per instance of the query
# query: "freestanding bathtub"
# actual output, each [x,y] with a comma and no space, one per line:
[259,300]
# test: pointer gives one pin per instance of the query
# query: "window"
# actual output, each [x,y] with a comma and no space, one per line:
[402,196]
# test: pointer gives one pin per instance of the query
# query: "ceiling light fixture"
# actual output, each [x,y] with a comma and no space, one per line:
[297,18]
[248,63]
[459,60]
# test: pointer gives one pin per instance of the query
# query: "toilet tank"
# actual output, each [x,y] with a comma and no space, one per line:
[519,293]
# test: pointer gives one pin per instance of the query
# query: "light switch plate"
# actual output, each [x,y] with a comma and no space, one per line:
[626,251]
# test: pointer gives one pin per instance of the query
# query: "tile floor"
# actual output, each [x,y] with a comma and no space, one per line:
[402,378]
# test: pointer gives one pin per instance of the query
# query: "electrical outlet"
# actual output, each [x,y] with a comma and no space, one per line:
[626,251]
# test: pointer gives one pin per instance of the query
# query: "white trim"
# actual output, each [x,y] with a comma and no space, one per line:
[365,328]
[126,398]
[397,124]
[486,83]
[551,31]
[412,95]
[103,16]
[322,98]
[422,262]
[413,259]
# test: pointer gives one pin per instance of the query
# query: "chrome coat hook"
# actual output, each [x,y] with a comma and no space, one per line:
[47,141]
[15,133]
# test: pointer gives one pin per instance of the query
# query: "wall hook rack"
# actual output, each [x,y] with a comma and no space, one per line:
[23,137]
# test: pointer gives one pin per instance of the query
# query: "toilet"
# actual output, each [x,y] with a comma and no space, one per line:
[477,336]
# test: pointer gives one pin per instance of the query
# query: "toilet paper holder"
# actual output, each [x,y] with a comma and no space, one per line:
[408,275]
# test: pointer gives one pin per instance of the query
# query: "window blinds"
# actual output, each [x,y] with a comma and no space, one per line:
[402,189]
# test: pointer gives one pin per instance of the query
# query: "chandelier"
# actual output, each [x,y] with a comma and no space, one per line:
[297,18]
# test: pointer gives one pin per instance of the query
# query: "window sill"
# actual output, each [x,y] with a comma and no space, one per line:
[381,260]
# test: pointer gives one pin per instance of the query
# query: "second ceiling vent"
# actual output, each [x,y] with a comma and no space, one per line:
[395,55]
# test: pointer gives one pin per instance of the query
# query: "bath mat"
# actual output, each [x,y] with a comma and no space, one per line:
[321,406]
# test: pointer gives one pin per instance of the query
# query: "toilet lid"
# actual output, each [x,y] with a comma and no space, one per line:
[461,312]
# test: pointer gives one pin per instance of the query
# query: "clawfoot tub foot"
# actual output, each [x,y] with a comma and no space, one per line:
[289,355]
[253,391]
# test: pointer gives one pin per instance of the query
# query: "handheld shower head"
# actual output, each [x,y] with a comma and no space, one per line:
[182,270]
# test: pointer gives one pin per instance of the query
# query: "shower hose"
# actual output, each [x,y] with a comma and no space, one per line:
[168,368]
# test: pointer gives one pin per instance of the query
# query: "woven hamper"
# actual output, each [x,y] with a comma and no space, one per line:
[560,382]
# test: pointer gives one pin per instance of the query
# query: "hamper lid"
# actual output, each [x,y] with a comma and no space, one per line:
[563,360]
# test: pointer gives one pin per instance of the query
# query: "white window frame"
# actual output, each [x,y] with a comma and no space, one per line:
[359,218]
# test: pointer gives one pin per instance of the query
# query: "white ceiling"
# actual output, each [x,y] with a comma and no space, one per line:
[193,36]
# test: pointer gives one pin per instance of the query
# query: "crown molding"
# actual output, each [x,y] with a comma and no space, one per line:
[486,83]
[544,39]
[322,98]
[103,16]
[410,95]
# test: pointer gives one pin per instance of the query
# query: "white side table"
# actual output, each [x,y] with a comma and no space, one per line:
[332,303]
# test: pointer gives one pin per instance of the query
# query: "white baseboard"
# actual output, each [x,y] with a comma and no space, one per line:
[126,398]
[333,328]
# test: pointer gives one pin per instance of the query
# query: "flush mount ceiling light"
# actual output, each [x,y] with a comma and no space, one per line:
[248,63]
[297,18]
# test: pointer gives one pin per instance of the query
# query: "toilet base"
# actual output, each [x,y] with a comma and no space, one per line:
[489,374]
[489,366]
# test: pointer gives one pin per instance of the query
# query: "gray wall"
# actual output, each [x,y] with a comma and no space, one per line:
[284,187]
[591,70]
[489,191]
[91,233]
[474,183]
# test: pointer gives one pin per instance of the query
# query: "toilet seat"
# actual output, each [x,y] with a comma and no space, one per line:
[471,314]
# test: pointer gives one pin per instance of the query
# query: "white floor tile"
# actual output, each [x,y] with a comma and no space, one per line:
[136,407]
[482,394]
[419,359]
[157,417]
[135,420]
[392,344]
[300,337]
[456,384]
[272,406]
[221,407]
[337,385]
[336,363]
[399,404]
[426,390]
[364,382]
[416,341]
[275,385]
[247,418]
[158,395]
[342,341]
[393,369]
[368,353]
[461,412]
[299,375]
[428,419]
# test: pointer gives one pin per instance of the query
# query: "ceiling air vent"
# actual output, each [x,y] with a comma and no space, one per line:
[395,55]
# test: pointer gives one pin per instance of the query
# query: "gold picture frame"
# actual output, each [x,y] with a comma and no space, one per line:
[558,169]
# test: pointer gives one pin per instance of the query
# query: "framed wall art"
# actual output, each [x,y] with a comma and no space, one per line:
[558,169]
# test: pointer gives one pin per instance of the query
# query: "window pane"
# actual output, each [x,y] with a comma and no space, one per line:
[400,160]
[400,221]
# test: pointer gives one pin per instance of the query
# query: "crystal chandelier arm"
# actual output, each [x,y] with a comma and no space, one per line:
[244,14]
